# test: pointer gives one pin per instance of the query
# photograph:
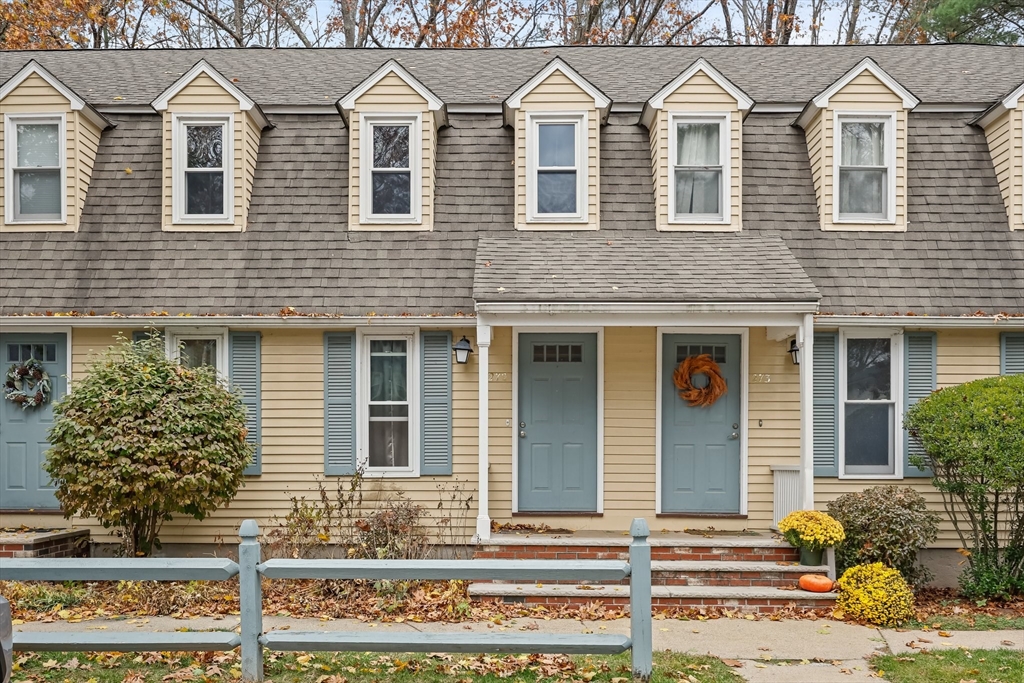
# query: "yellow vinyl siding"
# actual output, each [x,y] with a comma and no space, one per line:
[700,94]
[392,95]
[961,356]
[35,96]
[869,95]
[204,96]
[1005,139]
[292,393]
[555,94]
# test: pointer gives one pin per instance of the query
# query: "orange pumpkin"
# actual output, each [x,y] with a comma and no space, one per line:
[816,583]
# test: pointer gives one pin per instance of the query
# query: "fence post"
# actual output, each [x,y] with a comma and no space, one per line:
[251,598]
[640,624]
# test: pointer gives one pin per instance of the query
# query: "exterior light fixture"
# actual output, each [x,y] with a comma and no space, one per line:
[462,350]
[794,351]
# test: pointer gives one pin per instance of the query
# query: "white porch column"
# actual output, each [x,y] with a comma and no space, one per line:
[483,518]
[806,344]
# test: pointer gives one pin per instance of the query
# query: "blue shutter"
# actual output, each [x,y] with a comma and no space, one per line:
[340,403]
[436,403]
[1011,353]
[826,404]
[918,382]
[244,374]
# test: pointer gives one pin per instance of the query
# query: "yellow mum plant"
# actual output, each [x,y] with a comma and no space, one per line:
[875,594]
[811,529]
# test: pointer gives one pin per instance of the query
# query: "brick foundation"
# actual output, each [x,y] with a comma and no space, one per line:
[45,543]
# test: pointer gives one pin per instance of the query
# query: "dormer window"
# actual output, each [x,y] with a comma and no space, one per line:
[557,168]
[202,169]
[36,168]
[864,168]
[699,168]
[390,169]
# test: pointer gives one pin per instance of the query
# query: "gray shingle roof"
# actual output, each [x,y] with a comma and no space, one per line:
[934,73]
[616,266]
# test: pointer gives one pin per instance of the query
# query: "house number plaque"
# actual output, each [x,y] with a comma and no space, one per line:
[497,376]
[760,378]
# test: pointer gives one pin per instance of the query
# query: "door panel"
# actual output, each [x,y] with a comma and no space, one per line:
[700,445]
[24,484]
[558,423]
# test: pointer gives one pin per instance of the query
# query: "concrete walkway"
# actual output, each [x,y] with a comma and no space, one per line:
[768,651]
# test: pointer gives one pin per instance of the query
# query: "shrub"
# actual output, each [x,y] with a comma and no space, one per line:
[142,438]
[886,524]
[875,594]
[974,437]
[811,529]
[392,532]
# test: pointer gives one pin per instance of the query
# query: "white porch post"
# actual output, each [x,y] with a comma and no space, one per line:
[483,518]
[806,343]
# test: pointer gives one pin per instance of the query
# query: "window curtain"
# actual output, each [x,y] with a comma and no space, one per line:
[698,191]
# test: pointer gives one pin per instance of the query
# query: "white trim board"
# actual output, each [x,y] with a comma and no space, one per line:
[599,331]
[11,154]
[601,101]
[744,335]
[77,103]
[245,103]
[657,102]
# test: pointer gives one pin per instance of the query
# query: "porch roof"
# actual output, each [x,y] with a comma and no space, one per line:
[615,266]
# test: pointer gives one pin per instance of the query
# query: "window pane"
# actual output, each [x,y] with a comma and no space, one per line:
[868,369]
[198,352]
[556,145]
[863,144]
[38,144]
[51,353]
[39,194]
[698,144]
[204,193]
[388,370]
[205,146]
[391,146]
[862,191]
[392,193]
[389,411]
[869,436]
[389,444]
[698,192]
[556,192]
[12,353]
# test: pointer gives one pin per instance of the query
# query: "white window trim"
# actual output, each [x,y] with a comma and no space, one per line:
[10,159]
[724,120]
[415,123]
[889,118]
[896,350]
[179,160]
[174,337]
[363,339]
[581,120]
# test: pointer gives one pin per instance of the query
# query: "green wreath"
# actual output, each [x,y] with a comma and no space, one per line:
[28,384]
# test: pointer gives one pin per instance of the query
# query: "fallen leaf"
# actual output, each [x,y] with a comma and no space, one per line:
[734,663]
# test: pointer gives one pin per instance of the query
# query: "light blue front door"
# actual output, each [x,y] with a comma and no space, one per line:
[700,447]
[557,427]
[24,485]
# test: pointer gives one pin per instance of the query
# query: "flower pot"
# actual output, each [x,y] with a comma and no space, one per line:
[811,558]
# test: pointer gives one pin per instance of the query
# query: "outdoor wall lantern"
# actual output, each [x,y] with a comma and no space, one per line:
[794,351]
[462,350]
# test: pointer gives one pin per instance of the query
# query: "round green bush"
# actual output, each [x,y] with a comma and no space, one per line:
[141,439]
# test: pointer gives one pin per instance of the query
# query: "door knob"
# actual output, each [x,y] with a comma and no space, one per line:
[522,434]
[734,435]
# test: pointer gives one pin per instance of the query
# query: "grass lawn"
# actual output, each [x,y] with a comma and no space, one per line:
[953,666]
[975,622]
[46,667]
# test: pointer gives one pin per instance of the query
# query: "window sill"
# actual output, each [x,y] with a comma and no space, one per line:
[869,477]
[202,227]
[384,226]
[42,226]
[556,225]
[695,226]
[853,226]
[390,474]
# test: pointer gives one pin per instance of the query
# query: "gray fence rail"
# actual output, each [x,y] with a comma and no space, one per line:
[251,571]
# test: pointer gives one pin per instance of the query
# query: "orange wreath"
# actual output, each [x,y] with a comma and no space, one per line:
[699,365]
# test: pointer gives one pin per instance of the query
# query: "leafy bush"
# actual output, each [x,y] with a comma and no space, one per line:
[811,529]
[141,439]
[875,594]
[886,524]
[392,532]
[974,437]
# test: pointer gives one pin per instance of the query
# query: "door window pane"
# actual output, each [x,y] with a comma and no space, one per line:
[868,369]
[869,443]
[196,353]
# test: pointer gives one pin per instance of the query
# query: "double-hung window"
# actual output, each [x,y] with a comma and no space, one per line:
[557,156]
[869,374]
[35,169]
[390,173]
[196,348]
[864,166]
[387,390]
[202,161]
[700,156]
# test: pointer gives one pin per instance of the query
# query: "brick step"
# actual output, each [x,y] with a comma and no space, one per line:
[712,573]
[688,548]
[760,599]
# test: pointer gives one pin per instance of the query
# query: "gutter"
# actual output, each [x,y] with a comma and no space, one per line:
[551,308]
[234,321]
[925,321]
